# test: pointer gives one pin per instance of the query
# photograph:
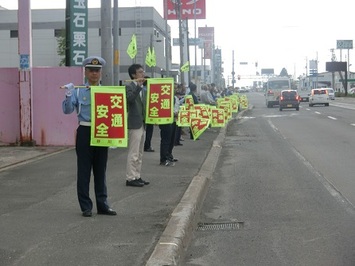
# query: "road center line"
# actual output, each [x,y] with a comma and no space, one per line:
[333,118]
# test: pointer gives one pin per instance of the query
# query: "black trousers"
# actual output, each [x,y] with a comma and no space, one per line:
[149,128]
[95,159]
[177,135]
[165,141]
[172,140]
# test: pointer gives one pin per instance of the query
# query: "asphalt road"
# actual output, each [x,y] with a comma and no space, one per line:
[283,190]
[40,218]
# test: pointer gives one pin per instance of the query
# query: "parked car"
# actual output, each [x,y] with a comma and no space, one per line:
[331,93]
[289,99]
[319,96]
[351,91]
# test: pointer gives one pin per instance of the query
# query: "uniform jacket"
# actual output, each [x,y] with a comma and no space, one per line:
[194,97]
[136,98]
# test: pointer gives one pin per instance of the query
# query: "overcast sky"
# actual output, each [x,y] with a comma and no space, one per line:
[274,33]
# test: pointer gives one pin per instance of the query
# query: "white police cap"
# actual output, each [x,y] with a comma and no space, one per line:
[94,62]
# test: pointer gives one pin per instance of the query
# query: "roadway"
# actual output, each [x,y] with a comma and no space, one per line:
[283,190]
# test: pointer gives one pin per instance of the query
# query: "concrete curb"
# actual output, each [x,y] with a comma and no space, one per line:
[177,235]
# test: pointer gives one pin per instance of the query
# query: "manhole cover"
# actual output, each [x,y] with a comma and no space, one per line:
[219,226]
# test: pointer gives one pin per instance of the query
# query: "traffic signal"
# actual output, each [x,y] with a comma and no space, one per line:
[238,77]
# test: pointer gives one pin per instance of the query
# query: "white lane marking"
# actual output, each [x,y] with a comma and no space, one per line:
[318,113]
[333,118]
[285,115]
[352,125]
[326,183]
[349,207]
[344,105]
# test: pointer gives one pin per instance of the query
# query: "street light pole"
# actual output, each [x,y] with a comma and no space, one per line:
[195,72]
[151,49]
[106,42]
[181,41]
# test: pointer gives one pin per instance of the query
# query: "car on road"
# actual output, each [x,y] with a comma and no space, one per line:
[289,99]
[331,93]
[319,96]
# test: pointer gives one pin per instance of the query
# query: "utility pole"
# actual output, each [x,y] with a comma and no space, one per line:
[116,61]
[25,73]
[233,73]
[151,49]
[317,71]
[188,49]
[181,37]
[106,41]
[195,72]
[167,43]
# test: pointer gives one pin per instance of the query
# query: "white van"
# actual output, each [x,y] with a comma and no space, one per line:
[331,93]
[274,86]
[319,96]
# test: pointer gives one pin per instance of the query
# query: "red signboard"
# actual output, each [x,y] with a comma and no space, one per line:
[207,34]
[160,101]
[108,116]
[190,9]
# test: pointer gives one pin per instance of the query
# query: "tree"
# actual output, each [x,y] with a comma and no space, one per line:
[283,73]
[61,46]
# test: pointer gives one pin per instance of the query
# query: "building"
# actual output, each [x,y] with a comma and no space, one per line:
[48,24]
[327,79]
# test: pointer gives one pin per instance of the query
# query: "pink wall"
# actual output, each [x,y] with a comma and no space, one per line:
[50,126]
[9,105]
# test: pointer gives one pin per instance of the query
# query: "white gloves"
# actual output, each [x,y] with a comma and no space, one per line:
[69,89]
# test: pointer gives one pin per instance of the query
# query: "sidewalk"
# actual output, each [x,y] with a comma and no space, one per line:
[41,222]
[12,156]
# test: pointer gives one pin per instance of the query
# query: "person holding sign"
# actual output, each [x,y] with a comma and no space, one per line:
[88,157]
[149,128]
[136,101]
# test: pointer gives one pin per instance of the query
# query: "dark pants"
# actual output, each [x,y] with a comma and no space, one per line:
[172,140]
[165,141]
[90,158]
[148,136]
[177,135]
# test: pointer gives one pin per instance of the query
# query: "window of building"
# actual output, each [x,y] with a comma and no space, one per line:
[59,33]
[119,32]
[13,33]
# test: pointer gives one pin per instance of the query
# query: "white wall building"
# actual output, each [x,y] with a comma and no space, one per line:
[150,28]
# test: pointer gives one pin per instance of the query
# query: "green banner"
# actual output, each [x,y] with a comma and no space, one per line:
[244,101]
[218,118]
[198,126]
[76,24]
[132,47]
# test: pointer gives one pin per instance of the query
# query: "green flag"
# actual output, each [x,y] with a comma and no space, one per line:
[185,67]
[148,57]
[153,59]
[132,47]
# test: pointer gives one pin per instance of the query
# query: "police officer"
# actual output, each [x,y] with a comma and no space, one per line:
[88,157]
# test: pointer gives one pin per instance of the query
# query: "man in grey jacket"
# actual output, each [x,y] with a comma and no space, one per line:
[136,102]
